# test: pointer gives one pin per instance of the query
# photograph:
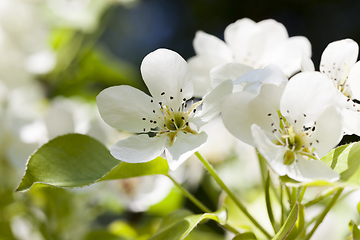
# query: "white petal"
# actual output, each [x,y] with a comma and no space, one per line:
[210,45]
[270,74]
[354,81]
[275,32]
[240,110]
[328,131]
[124,107]
[139,148]
[307,93]
[288,54]
[200,67]
[236,33]
[165,71]
[184,146]
[211,107]
[307,64]
[274,154]
[351,121]
[339,55]
[309,170]
[227,71]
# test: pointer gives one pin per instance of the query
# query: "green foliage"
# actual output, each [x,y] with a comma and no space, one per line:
[354,230]
[344,160]
[76,160]
[245,236]
[289,223]
[299,225]
[178,225]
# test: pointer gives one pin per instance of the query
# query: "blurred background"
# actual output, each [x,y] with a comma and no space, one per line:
[57,55]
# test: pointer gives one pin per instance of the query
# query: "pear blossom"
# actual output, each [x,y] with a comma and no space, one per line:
[139,193]
[169,120]
[293,134]
[338,63]
[248,45]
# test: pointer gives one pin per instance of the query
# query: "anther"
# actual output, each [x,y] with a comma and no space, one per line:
[151,101]
[313,128]
[180,89]
[153,111]
[151,121]
[171,97]
[155,122]
[272,124]
[184,99]
[269,114]
[172,120]
[162,93]
[160,103]
[187,123]
[295,121]
[144,129]
[348,100]
[317,141]
[304,115]
[182,118]
[143,118]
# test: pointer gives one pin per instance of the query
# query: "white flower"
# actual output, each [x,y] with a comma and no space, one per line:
[338,63]
[247,45]
[140,193]
[293,135]
[167,115]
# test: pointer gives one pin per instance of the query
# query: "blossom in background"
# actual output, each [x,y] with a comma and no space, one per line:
[247,45]
[293,134]
[24,42]
[338,63]
[139,193]
[169,120]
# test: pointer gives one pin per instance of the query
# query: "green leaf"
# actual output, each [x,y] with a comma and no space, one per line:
[344,159]
[354,230]
[299,225]
[178,225]
[76,160]
[268,201]
[245,236]
[289,223]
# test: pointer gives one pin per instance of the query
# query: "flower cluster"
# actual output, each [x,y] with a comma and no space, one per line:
[292,122]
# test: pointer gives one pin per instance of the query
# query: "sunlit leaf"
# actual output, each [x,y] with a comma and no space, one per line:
[354,230]
[245,236]
[289,223]
[299,225]
[76,160]
[179,224]
[344,159]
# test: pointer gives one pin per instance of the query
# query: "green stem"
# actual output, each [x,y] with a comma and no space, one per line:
[302,193]
[318,199]
[325,212]
[293,196]
[282,204]
[198,203]
[213,173]
[190,196]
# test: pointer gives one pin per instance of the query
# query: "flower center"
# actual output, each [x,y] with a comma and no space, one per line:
[296,142]
[168,121]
